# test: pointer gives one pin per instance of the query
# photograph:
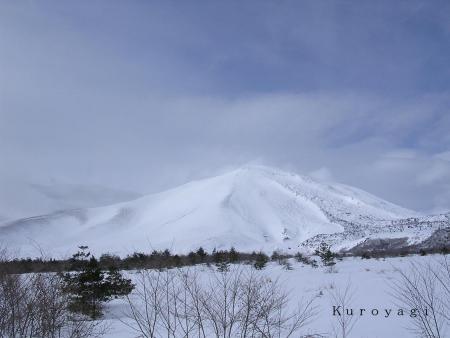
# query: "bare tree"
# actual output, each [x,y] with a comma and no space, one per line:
[35,306]
[425,289]
[441,272]
[144,304]
[192,303]
[229,303]
[51,311]
[341,299]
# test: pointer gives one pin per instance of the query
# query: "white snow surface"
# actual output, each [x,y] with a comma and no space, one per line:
[370,282]
[251,208]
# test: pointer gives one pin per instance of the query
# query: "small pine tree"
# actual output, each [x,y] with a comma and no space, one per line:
[326,255]
[261,260]
[223,266]
[80,258]
[90,287]
[220,260]
[115,285]
[233,255]
[218,256]
[86,289]
[192,257]
[201,253]
[82,253]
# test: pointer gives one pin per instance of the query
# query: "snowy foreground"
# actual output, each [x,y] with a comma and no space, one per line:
[370,279]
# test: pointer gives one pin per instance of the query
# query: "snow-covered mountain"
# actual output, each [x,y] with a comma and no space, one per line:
[252,208]
[20,199]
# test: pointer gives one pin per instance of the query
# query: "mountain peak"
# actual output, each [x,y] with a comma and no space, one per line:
[253,207]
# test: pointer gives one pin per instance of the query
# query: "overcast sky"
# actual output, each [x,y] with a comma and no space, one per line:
[145,95]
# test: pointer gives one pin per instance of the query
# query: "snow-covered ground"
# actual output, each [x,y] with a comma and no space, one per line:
[370,279]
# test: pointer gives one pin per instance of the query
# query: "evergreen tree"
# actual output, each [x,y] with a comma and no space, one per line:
[115,285]
[86,289]
[192,256]
[233,255]
[260,261]
[90,287]
[80,258]
[326,255]
[223,266]
[218,256]
[201,254]
[220,259]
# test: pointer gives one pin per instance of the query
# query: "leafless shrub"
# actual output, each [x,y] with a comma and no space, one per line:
[442,274]
[341,299]
[425,288]
[35,306]
[234,303]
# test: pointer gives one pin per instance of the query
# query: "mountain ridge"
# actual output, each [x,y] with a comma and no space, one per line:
[21,199]
[250,208]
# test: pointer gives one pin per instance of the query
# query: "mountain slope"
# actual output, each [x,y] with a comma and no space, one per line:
[251,208]
[19,199]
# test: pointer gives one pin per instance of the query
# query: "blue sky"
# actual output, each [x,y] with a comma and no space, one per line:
[145,95]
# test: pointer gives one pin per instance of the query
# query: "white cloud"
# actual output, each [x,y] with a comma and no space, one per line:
[322,174]
[148,97]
